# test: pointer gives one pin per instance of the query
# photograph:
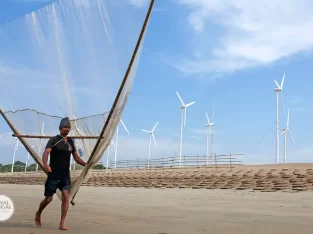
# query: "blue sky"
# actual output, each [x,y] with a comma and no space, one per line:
[228,52]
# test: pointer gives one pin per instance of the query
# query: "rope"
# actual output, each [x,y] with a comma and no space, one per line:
[54,116]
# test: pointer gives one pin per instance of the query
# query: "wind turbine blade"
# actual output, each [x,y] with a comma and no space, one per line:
[154,126]
[207,117]
[278,86]
[124,127]
[113,143]
[180,98]
[191,103]
[154,139]
[292,138]
[282,82]
[283,132]
[145,131]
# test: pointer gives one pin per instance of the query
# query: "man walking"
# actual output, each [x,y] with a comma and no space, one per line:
[60,149]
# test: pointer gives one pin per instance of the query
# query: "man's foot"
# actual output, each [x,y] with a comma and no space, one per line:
[62,227]
[37,219]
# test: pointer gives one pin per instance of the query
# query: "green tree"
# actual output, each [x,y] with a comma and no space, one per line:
[99,167]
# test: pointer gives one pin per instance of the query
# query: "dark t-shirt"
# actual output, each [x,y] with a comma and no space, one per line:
[60,156]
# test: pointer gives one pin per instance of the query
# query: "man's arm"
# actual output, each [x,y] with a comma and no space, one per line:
[45,157]
[78,159]
[46,153]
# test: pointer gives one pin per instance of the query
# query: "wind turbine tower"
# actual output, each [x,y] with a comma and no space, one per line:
[26,163]
[115,156]
[183,124]
[15,149]
[151,135]
[108,156]
[42,133]
[209,125]
[278,89]
[285,138]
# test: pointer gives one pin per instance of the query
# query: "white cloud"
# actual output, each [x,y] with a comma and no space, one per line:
[250,33]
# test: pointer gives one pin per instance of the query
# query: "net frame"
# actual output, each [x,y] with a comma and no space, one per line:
[110,123]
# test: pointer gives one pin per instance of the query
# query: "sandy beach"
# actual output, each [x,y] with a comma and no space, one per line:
[155,211]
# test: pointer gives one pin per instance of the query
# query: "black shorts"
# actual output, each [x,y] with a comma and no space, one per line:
[52,185]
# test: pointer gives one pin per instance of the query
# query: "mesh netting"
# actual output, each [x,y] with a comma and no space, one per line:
[69,59]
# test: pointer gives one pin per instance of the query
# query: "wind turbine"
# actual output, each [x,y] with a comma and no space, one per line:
[26,164]
[108,155]
[285,137]
[42,133]
[15,149]
[278,89]
[115,157]
[151,135]
[80,132]
[183,124]
[209,125]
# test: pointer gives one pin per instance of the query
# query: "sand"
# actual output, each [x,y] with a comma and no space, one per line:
[170,211]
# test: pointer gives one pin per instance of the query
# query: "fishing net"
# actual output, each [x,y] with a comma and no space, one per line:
[70,58]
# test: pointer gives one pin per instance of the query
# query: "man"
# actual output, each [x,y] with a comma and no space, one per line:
[60,149]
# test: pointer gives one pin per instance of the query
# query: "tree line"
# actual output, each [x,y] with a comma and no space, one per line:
[20,167]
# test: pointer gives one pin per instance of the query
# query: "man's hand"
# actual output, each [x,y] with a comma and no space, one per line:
[47,168]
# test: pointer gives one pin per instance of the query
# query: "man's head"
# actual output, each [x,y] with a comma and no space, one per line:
[65,126]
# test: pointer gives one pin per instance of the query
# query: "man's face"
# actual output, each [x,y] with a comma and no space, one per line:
[65,131]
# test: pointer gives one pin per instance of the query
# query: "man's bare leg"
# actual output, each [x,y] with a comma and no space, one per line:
[42,206]
[65,205]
